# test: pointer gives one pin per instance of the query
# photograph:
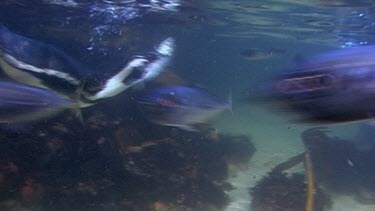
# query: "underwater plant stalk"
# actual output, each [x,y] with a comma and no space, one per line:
[310,183]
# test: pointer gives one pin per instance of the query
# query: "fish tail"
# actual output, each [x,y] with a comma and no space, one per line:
[76,108]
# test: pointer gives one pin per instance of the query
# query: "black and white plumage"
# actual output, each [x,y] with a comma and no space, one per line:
[42,65]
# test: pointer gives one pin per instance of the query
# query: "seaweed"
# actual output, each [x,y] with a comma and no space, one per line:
[340,166]
[109,163]
[281,192]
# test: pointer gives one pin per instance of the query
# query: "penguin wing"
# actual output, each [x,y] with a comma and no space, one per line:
[140,69]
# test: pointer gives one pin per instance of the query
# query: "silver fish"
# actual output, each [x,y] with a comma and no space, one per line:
[181,106]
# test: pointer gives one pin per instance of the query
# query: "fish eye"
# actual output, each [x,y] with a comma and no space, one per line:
[167,100]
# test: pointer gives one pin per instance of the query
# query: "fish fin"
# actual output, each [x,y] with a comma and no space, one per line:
[80,91]
[76,106]
[78,115]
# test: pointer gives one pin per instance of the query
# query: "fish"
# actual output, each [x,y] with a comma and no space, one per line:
[184,107]
[261,54]
[334,87]
[22,104]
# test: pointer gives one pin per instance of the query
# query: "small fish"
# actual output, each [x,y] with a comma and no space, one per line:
[180,106]
[20,103]
[260,54]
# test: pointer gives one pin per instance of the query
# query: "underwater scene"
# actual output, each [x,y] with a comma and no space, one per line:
[187,105]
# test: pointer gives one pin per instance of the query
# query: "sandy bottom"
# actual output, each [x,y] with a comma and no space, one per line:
[275,140]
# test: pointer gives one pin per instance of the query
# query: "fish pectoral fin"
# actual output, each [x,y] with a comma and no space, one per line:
[76,106]
[79,116]
[76,110]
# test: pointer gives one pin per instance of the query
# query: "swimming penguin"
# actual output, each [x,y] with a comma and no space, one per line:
[44,66]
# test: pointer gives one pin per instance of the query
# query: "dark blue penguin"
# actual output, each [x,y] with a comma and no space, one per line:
[42,65]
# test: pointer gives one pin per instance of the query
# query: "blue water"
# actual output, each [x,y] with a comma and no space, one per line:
[117,160]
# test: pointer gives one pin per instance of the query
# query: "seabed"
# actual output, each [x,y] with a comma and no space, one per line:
[275,140]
